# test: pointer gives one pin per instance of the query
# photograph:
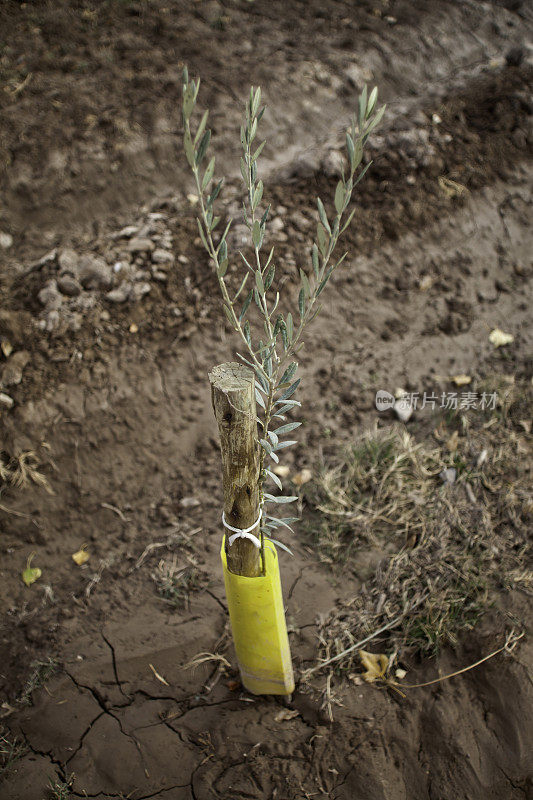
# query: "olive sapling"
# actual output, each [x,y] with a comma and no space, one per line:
[272,351]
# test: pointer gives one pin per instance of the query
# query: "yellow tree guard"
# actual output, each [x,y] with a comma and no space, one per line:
[257,618]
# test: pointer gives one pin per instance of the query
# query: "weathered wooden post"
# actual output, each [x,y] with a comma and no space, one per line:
[233,396]
[251,569]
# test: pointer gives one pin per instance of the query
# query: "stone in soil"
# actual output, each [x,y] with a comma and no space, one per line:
[68,261]
[6,401]
[139,245]
[12,372]
[160,256]
[140,289]
[6,240]
[94,273]
[120,294]
[68,285]
[49,296]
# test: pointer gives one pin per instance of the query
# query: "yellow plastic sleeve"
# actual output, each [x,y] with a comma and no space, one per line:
[259,629]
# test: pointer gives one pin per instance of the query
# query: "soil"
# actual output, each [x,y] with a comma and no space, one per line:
[109,387]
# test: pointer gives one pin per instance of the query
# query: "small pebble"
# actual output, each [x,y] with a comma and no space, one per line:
[120,294]
[140,289]
[68,261]
[189,502]
[94,273]
[160,256]
[126,233]
[6,240]
[68,285]
[139,245]
[49,296]
[403,409]
[6,401]
[12,372]
[448,475]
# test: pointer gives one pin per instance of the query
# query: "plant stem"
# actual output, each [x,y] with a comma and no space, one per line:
[214,255]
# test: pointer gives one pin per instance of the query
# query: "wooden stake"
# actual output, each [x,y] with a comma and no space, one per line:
[233,396]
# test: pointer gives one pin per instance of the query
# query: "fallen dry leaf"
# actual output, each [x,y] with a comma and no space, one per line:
[451,188]
[482,457]
[499,338]
[286,714]
[304,476]
[470,493]
[81,556]
[375,664]
[401,673]
[30,574]
[462,380]
[7,348]
[453,441]
[189,502]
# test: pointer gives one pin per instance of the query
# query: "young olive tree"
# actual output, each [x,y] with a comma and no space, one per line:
[271,352]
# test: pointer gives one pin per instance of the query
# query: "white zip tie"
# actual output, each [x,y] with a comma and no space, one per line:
[243,533]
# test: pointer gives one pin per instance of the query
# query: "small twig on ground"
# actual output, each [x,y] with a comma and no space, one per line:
[222,642]
[158,676]
[104,564]
[78,467]
[358,645]
[21,86]
[116,510]
[204,658]
[15,513]
[172,539]
[329,699]
[510,643]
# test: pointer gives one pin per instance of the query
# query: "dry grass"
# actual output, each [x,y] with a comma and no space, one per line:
[60,789]
[376,492]
[41,672]
[22,470]
[11,750]
[174,584]
[453,545]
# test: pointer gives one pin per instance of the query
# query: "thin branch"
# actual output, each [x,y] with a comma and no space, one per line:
[510,644]
[357,645]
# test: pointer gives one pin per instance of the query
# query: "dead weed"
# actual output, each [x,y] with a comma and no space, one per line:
[457,542]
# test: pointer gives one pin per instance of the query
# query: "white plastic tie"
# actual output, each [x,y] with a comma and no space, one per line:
[242,533]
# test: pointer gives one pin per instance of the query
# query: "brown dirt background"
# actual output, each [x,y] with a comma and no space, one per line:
[89,142]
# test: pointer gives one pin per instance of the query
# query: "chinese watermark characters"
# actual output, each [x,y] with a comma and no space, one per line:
[456,401]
